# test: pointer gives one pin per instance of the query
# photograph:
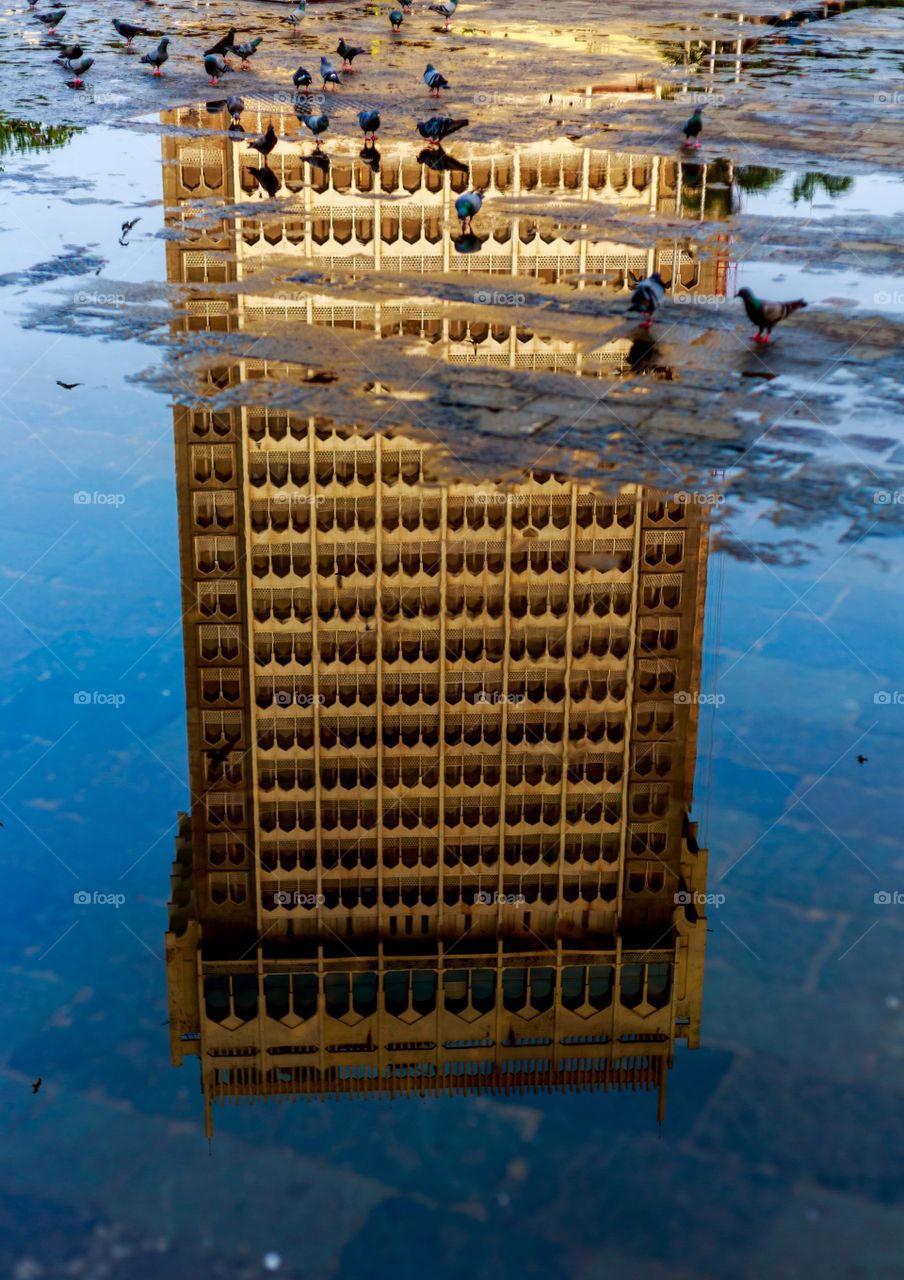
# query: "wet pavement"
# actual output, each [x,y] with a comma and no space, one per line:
[297,327]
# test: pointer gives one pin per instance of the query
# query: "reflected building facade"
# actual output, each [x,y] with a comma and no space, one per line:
[442,734]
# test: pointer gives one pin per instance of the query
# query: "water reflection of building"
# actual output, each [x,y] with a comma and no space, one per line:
[397,220]
[440,777]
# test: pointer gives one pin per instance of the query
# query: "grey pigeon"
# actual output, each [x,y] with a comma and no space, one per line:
[265,143]
[648,297]
[302,78]
[434,81]
[215,65]
[296,17]
[246,51]
[51,20]
[235,106]
[223,46]
[316,124]
[766,315]
[370,124]
[329,72]
[693,128]
[128,32]
[437,128]
[446,10]
[348,53]
[78,66]
[159,55]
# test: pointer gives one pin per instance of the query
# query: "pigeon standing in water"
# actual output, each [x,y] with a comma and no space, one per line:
[446,11]
[437,128]
[223,46]
[329,72]
[693,128]
[317,125]
[246,51]
[296,17]
[648,297]
[215,65]
[397,18]
[467,206]
[348,53]
[370,124]
[235,106]
[434,81]
[302,78]
[51,20]
[766,315]
[78,67]
[68,53]
[128,32]
[158,57]
[265,143]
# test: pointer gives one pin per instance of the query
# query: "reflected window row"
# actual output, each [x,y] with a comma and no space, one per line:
[305,995]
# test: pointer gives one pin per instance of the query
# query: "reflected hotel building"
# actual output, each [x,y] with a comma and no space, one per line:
[439,837]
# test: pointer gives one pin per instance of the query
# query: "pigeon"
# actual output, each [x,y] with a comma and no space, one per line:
[296,17]
[235,106]
[693,128]
[78,66]
[217,757]
[467,206]
[68,386]
[437,128]
[371,156]
[267,179]
[434,81]
[37,1084]
[215,65]
[68,53]
[446,11]
[316,124]
[223,46]
[370,124]
[862,759]
[647,297]
[158,57]
[265,143]
[329,72]
[397,18]
[246,51]
[302,78]
[128,32]
[766,315]
[51,20]
[348,53]
[127,226]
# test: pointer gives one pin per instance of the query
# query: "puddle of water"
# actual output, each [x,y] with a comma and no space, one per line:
[524,681]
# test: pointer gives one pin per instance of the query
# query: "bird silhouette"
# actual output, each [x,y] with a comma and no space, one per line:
[37,1084]
[648,297]
[265,143]
[862,759]
[128,32]
[693,128]
[68,386]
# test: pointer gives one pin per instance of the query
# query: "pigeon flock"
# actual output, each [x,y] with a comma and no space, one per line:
[648,295]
